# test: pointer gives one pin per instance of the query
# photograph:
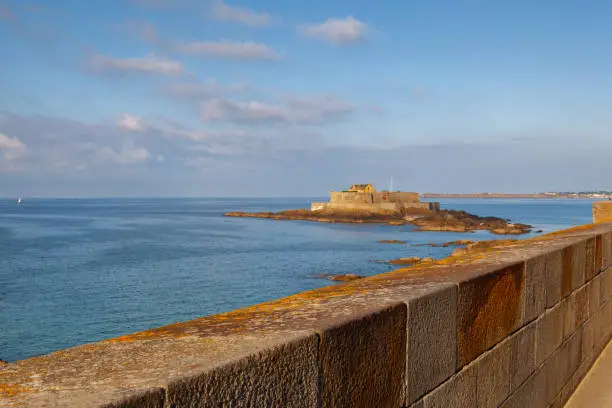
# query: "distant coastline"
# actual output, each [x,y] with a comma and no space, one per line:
[574,196]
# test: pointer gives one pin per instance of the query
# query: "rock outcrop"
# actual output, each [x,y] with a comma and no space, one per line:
[459,242]
[347,277]
[444,220]
[391,241]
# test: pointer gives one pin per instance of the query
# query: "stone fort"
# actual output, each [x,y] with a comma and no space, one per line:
[365,197]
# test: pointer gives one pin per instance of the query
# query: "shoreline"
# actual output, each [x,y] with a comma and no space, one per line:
[512,196]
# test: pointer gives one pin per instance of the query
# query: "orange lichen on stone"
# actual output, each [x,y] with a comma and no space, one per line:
[568,231]
[11,390]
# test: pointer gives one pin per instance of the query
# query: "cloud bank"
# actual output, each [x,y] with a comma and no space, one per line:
[149,65]
[225,49]
[338,31]
[222,11]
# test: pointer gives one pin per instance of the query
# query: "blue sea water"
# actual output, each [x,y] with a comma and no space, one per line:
[80,270]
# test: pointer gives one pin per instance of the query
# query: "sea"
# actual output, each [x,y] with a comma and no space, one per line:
[74,271]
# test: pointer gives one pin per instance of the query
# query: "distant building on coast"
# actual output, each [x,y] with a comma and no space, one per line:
[365,197]
[362,188]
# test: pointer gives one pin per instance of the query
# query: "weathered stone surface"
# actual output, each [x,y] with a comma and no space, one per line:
[572,369]
[575,352]
[594,295]
[362,360]
[602,211]
[532,393]
[153,398]
[598,254]
[606,286]
[493,371]
[567,390]
[460,391]
[432,341]
[607,322]
[522,358]
[599,329]
[549,333]
[419,404]
[590,269]
[553,375]
[562,364]
[575,310]
[95,397]
[286,375]
[554,277]
[578,264]
[569,316]
[606,250]
[568,271]
[588,341]
[580,300]
[490,308]
[535,287]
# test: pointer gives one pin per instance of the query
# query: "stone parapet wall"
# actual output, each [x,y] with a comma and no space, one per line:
[516,326]
[602,211]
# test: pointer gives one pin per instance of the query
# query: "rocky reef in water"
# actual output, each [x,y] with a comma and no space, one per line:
[444,220]
[345,277]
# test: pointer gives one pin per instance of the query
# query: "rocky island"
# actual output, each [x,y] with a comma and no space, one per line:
[363,204]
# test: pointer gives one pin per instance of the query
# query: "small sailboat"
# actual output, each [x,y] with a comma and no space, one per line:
[19,201]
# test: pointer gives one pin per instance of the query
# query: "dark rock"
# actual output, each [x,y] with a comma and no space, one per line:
[347,277]
[406,261]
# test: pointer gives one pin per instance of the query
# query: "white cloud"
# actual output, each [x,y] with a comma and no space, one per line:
[226,49]
[12,150]
[337,31]
[132,122]
[202,135]
[209,89]
[221,11]
[291,110]
[10,143]
[128,154]
[149,64]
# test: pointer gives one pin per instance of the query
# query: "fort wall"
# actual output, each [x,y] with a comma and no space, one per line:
[515,326]
[376,197]
[384,206]
[356,206]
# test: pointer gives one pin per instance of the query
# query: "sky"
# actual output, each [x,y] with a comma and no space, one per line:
[294,98]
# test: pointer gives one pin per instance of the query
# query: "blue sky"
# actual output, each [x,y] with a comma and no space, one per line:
[278,98]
